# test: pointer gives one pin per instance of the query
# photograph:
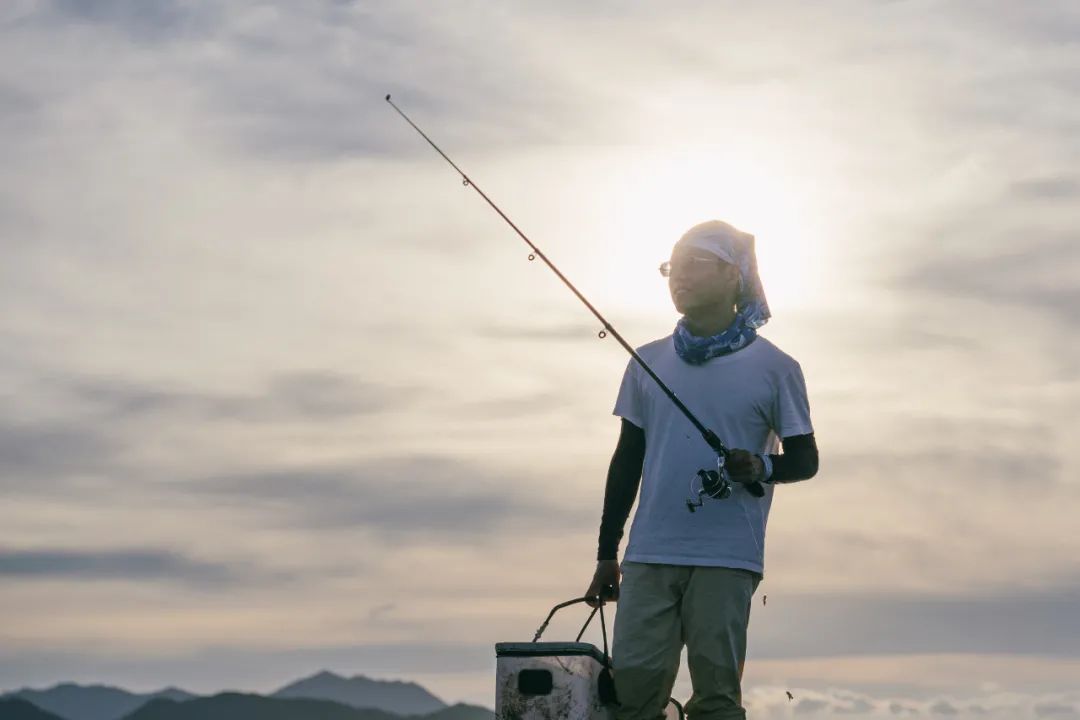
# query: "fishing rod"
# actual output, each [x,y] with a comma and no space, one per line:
[714,483]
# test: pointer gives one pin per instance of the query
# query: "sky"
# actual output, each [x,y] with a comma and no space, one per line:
[279,394]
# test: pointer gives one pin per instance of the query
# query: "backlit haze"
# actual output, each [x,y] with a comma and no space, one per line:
[280,394]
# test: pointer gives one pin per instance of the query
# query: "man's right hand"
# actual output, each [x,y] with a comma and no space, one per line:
[605,582]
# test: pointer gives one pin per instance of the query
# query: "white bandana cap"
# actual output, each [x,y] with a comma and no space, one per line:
[736,247]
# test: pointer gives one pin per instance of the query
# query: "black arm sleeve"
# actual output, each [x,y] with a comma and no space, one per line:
[623,480]
[799,461]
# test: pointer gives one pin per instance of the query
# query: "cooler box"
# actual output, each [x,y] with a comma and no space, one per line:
[551,681]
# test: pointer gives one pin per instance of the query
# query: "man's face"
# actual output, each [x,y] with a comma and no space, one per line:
[700,280]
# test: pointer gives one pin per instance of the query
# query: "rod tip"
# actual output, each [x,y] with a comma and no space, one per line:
[388,97]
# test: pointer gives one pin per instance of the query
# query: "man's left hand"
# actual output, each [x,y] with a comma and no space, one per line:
[744,467]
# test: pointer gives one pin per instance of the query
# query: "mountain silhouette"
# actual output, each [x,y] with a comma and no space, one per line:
[324,696]
[19,709]
[238,706]
[394,696]
[91,702]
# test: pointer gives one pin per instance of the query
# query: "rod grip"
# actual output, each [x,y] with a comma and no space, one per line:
[715,443]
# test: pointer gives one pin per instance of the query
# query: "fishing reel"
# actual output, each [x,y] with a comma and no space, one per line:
[709,483]
[716,484]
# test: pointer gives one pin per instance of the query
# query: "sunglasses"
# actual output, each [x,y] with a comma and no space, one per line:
[691,262]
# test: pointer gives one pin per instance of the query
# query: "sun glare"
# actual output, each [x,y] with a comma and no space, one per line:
[665,191]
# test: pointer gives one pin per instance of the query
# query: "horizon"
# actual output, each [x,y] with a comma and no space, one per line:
[316,674]
[280,393]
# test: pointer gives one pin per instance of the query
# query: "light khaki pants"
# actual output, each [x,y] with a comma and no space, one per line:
[663,607]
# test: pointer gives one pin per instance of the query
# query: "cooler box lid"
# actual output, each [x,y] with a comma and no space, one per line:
[547,649]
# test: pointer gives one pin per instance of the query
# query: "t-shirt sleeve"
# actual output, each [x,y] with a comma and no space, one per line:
[629,405]
[791,406]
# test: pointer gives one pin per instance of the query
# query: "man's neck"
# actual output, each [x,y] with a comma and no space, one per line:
[707,322]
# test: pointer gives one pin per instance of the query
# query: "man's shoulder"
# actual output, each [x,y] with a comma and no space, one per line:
[770,349]
[656,348]
[767,353]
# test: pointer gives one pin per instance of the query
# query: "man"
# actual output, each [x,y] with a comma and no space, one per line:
[688,577]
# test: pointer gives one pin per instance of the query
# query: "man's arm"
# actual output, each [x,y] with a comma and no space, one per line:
[623,480]
[798,462]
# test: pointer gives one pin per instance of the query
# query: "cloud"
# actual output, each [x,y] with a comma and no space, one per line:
[305,83]
[943,707]
[1053,188]
[43,452]
[1052,23]
[833,703]
[810,706]
[1038,623]
[376,612]
[522,406]
[410,500]
[20,110]
[136,565]
[104,430]
[1037,280]
[856,706]
[298,396]
[974,466]
[568,331]
[153,21]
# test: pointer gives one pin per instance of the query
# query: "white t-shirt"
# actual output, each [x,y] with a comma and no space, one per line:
[750,399]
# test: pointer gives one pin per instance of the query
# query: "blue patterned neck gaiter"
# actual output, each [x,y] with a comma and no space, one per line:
[697,350]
